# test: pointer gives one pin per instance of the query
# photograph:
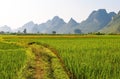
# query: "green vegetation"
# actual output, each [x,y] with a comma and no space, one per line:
[7,46]
[12,61]
[20,59]
[84,56]
[89,57]
[46,65]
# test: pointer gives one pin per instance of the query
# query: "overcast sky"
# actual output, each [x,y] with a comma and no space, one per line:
[15,13]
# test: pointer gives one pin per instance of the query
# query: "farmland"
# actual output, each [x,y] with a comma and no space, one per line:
[12,61]
[82,57]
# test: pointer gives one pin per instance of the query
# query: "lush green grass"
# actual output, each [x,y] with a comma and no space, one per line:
[12,61]
[11,64]
[7,46]
[87,57]
[18,61]
[49,62]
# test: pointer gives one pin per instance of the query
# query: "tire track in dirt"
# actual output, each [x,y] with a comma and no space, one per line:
[43,67]
[70,74]
[39,71]
[46,64]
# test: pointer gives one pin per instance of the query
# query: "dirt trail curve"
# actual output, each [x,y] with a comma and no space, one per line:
[38,66]
[46,64]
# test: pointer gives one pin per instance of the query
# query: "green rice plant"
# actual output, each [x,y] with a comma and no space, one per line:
[13,59]
[86,57]
[11,63]
[89,58]
[7,46]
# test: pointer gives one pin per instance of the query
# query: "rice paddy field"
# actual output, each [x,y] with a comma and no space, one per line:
[81,56]
[12,61]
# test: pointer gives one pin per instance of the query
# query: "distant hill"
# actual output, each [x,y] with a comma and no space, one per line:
[113,26]
[68,27]
[55,24]
[5,29]
[47,27]
[29,26]
[96,21]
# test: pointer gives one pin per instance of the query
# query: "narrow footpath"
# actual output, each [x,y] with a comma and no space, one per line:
[46,64]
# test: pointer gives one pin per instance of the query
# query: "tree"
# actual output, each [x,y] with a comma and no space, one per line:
[25,31]
[2,32]
[77,31]
[99,33]
[53,32]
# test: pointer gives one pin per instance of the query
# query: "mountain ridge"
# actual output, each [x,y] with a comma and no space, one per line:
[97,20]
[113,26]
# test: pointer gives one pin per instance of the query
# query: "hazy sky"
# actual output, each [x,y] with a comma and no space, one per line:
[15,13]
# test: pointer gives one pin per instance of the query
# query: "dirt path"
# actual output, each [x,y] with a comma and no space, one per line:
[46,64]
[38,71]
[38,68]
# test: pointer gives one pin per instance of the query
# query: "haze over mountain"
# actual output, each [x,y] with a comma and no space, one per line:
[29,26]
[68,27]
[96,21]
[5,28]
[113,26]
[48,27]
[55,24]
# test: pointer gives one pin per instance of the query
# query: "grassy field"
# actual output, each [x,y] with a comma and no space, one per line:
[12,61]
[84,56]
[20,59]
